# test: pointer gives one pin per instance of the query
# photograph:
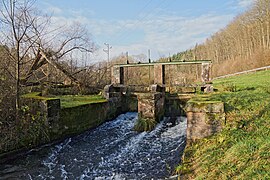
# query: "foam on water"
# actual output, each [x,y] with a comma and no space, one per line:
[111,151]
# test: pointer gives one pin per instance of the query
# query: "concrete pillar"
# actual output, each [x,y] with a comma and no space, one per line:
[151,106]
[204,118]
[49,108]
[159,74]
[206,69]
[117,75]
[117,98]
[52,109]
[114,90]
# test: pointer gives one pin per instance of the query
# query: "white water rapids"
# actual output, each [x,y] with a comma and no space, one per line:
[111,151]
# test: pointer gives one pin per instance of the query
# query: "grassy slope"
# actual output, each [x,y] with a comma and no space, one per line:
[242,149]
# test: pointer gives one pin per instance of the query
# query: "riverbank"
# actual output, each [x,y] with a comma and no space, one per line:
[242,149]
[111,151]
[50,119]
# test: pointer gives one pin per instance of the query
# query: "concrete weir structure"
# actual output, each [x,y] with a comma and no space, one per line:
[159,99]
[162,72]
[163,97]
[151,102]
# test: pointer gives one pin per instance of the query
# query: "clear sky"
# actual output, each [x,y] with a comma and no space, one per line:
[163,26]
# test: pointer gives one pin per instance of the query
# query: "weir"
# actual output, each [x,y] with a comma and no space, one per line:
[169,92]
[169,95]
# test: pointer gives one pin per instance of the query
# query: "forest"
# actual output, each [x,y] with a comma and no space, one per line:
[242,45]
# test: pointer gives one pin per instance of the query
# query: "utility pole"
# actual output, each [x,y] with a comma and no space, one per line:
[127,68]
[107,51]
[149,72]
[149,56]
[127,57]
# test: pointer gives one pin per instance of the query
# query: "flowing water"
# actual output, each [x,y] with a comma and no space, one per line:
[111,151]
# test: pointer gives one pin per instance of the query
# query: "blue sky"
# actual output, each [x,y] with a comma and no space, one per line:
[163,26]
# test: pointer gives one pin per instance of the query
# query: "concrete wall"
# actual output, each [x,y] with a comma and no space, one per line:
[76,120]
[175,104]
[52,123]
[185,74]
[204,118]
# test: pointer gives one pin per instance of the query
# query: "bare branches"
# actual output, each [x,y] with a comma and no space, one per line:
[243,44]
[74,37]
[26,33]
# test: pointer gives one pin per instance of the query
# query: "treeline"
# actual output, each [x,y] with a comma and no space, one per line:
[243,44]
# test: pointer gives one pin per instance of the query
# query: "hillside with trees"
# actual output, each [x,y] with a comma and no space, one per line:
[243,44]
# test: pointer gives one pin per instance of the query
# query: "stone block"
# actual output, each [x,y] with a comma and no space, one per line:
[204,118]
[114,90]
[151,105]
[201,125]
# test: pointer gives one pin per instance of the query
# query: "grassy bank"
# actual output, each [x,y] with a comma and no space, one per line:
[242,149]
[72,101]
[68,101]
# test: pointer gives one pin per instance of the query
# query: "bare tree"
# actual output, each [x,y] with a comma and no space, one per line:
[31,43]
[17,22]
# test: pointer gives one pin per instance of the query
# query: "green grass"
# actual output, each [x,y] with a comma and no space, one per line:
[36,95]
[68,101]
[242,149]
[72,101]
[246,82]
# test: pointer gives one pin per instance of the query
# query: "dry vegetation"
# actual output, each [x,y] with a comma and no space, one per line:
[244,44]
[35,57]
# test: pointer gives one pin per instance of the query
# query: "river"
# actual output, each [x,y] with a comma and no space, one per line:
[111,151]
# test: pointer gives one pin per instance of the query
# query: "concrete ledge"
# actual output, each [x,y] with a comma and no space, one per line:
[205,106]
[179,89]
[137,88]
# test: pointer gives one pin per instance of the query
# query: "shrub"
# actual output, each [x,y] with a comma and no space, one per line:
[144,125]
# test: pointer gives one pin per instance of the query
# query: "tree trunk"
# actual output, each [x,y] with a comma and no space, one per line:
[18,103]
